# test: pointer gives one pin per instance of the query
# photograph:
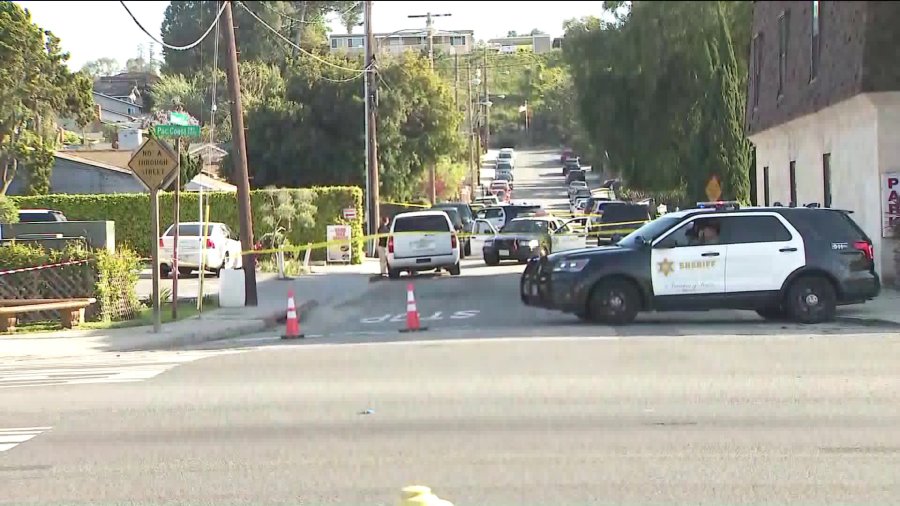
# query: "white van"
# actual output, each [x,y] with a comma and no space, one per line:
[507,155]
[422,241]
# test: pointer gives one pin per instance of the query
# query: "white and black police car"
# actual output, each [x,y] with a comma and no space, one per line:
[795,263]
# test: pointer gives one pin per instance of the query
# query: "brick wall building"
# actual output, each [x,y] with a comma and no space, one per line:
[823,111]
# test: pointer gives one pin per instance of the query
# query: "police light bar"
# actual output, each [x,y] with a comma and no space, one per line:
[720,205]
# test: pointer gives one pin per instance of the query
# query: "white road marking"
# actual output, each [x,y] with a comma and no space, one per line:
[98,368]
[437,315]
[10,438]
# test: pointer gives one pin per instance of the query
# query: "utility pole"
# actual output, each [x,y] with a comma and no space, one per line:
[301,26]
[487,110]
[429,28]
[470,130]
[456,79]
[371,137]
[240,160]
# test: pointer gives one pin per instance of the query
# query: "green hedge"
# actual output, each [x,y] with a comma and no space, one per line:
[131,213]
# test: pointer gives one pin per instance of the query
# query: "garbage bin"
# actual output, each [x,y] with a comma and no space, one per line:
[231,288]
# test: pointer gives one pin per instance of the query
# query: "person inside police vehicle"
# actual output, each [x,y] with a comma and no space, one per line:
[704,232]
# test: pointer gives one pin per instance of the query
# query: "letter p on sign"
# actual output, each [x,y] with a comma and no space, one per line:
[892,182]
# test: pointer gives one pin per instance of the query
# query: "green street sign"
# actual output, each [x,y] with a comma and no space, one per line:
[176,131]
[179,118]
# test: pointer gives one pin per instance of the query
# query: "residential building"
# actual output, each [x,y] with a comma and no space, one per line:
[452,41]
[540,43]
[76,175]
[128,86]
[823,112]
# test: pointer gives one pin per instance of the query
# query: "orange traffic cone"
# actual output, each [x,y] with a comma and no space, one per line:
[412,314]
[293,324]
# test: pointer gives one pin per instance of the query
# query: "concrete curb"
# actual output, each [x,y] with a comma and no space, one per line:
[870,322]
[202,334]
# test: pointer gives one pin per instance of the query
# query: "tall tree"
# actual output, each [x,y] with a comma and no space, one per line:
[645,88]
[102,67]
[185,22]
[35,87]
[312,133]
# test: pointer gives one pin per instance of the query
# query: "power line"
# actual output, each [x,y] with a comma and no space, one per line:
[169,46]
[289,41]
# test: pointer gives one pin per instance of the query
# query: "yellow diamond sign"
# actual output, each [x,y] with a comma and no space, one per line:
[713,189]
[153,163]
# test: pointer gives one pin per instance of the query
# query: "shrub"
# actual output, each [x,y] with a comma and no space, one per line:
[111,278]
[9,212]
[131,213]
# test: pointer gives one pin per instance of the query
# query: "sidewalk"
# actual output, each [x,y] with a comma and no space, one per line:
[326,285]
[883,310]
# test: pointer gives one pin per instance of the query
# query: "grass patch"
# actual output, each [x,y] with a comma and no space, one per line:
[186,309]
[292,266]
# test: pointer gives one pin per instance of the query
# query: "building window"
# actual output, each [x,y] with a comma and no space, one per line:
[826,179]
[757,67]
[793,183]
[394,41]
[766,186]
[783,24]
[815,41]
[355,42]
[334,44]
[457,41]
[753,192]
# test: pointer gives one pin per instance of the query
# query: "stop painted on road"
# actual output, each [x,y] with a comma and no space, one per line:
[436,316]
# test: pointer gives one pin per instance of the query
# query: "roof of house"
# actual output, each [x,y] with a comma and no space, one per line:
[208,183]
[207,149]
[84,161]
[104,95]
[115,88]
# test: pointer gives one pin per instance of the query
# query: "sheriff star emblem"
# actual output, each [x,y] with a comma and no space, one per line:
[666,267]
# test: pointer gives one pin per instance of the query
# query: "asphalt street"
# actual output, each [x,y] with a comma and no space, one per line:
[495,403]
[811,420]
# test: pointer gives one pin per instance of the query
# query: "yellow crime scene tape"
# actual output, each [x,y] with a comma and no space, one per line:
[370,237]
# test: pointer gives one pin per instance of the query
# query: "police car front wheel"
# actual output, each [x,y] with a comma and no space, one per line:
[811,299]
[614,302]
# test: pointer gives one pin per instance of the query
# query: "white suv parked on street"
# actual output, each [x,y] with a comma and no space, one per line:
[422,241]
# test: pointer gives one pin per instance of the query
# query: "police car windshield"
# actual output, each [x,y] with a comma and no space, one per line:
[526,226]
[650,231]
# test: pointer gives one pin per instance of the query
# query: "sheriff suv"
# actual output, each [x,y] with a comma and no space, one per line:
[784,263]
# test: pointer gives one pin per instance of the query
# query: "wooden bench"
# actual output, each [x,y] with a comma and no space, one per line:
[71,311]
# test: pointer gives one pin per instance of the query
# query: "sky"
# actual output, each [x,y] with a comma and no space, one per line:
[97,29]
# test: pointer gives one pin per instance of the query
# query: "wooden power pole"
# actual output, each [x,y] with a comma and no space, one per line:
[239,143]
[371,138]
[487,100]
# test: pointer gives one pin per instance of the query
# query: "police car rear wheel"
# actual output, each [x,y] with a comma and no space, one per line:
[811,299]
[614,302]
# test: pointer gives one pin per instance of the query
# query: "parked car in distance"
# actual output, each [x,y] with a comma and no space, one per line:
[508,156]
[570,164]
[575,175]
[40,216]
[488,201]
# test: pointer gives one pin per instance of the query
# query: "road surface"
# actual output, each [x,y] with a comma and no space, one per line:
[500,404]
